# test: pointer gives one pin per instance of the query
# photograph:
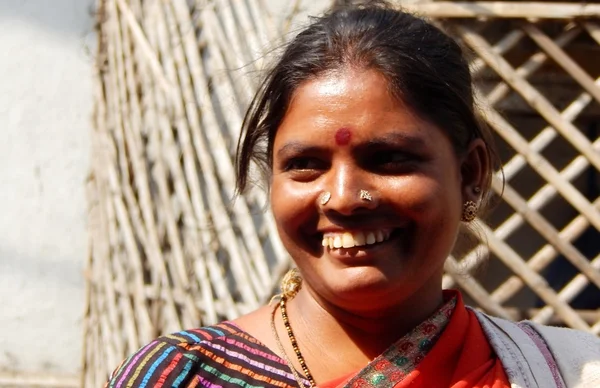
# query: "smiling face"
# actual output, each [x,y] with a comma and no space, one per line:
[344,133]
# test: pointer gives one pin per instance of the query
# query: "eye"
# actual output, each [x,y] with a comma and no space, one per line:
[392,161]
[303,163]
[305,168]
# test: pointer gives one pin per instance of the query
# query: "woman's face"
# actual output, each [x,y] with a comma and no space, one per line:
[344,133]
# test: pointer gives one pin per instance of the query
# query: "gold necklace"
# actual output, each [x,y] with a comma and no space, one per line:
[288,328]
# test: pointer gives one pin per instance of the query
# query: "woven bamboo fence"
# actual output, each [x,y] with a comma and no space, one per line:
[169,249]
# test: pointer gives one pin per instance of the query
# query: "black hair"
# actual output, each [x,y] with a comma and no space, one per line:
[425,69]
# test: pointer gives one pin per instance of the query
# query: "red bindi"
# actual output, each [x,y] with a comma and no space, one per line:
[342,136]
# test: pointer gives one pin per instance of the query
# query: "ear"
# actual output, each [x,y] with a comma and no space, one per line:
[474,171]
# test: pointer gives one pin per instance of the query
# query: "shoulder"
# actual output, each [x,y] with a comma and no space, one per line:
[576,353]
[568,337]
[565,342]
[181,358]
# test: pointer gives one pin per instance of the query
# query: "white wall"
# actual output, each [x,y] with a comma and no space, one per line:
[45,109]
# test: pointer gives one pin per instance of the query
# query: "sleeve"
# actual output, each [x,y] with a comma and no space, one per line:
[158,364]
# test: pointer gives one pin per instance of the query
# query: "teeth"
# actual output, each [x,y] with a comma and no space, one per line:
[337,242]
[359,239]
[371,238]
[347,240]
[354,239]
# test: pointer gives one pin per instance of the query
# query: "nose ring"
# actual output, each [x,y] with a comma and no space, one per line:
[324,198]
[365,196]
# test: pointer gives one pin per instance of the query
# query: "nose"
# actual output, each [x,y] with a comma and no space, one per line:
[350,190]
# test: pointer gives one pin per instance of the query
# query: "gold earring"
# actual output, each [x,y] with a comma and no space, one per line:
[291,283]
[324,198]
[365,196]
[477,189]
[469,211]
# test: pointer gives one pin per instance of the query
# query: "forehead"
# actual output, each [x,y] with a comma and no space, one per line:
[359,101]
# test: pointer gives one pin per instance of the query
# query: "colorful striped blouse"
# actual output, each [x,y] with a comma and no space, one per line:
[225,356]
[217,356]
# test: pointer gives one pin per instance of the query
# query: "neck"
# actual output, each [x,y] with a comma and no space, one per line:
[367,332]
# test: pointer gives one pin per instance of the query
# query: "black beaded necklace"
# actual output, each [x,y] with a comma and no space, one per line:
[288,327]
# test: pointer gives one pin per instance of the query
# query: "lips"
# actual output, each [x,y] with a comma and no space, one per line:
[355,238]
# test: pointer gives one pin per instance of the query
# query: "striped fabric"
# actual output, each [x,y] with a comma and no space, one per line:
[216,356]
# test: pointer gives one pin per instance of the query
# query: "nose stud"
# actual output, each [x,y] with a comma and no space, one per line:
[365,196]
[324,198]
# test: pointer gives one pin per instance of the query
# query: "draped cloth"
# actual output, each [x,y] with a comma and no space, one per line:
[449,349]
[456,354]
[460,358]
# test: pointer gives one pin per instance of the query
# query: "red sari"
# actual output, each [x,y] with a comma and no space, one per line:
[460,358]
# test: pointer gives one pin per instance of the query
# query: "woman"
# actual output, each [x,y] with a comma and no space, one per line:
[367,131]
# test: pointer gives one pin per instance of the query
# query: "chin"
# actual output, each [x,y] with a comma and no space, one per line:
[360,288]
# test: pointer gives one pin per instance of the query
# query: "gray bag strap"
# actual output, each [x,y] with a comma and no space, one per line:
[522,359]
[541,344]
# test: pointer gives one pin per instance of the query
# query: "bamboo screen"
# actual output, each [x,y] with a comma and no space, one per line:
[169,249]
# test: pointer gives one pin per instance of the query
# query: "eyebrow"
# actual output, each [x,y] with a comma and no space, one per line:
[296,147]
[394,138]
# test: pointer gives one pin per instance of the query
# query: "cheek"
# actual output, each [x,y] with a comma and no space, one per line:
[432,209]
[296,216]
[292,204]
[428,198]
